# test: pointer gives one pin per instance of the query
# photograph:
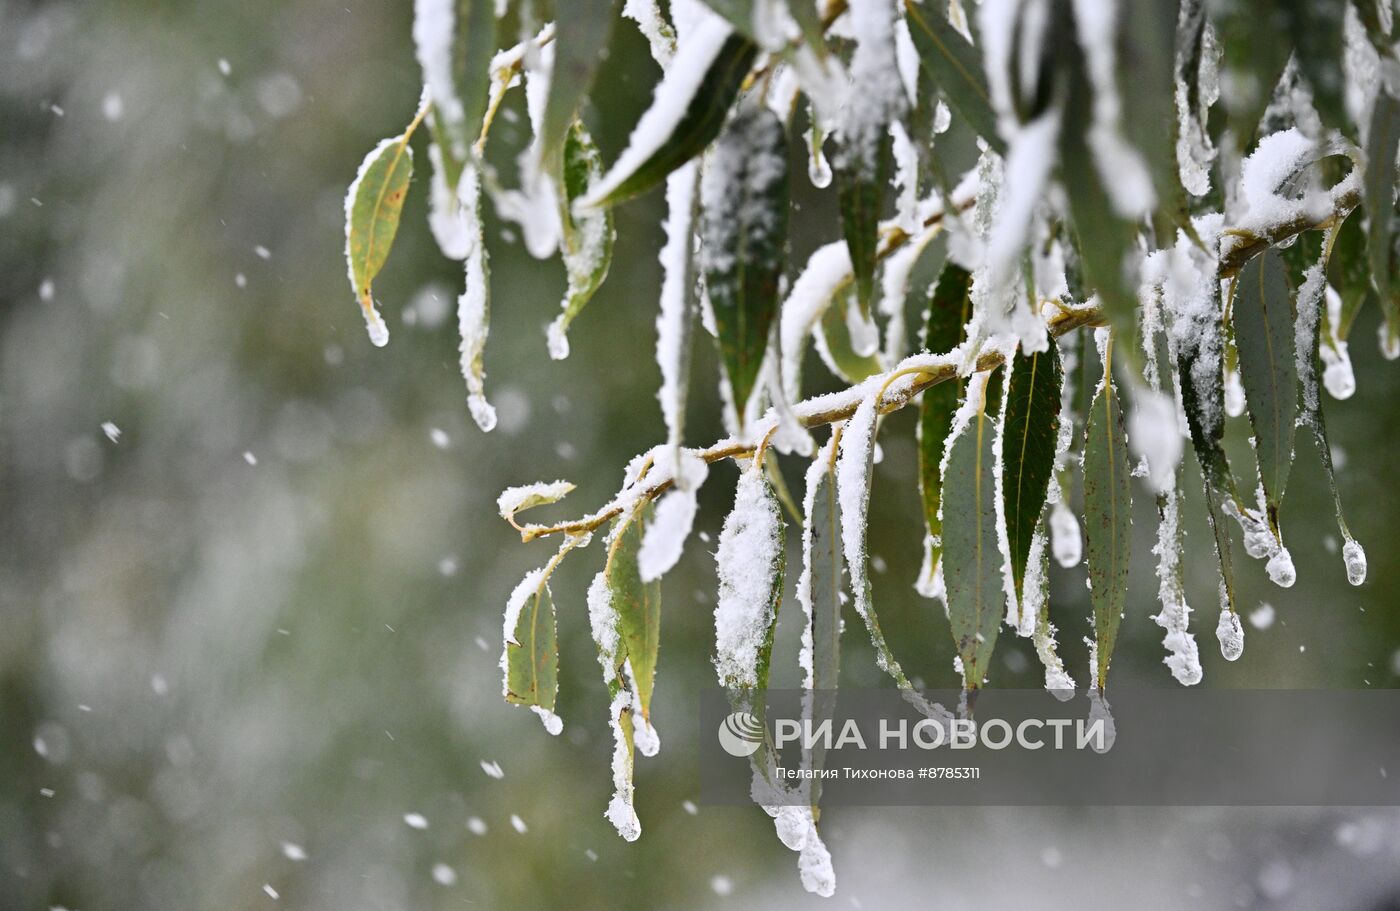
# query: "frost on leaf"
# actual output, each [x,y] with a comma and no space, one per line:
[587,238]
[750,565]
[474,307]
[676,320]
[514,500]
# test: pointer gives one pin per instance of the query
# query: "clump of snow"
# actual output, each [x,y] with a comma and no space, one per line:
[449,224]
[676,319]
[665,536]
[1230,633]
[660,37]
[828,268]
[1154,435]
[1262,617]
[876,91]
[1067,544]
[434,28]
[513,499]
[1337,375]
[552,722]
[748,561]
[1280,568]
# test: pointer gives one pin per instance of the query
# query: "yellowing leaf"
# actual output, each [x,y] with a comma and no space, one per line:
[373,206]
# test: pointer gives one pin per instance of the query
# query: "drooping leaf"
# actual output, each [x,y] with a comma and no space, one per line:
[950,307]
[838,350]
[456,40]
[452,163]
[685,115]
[1349,273]
[373,207]
[588,237]
[861,196]
[819,591]
[581,32]
[1107,519]
[1146,65]
[971,556]
[744,231]
[1380,185]
[1255,40]
[638,606]
[531,651]
[515,500]
[1263,320]
[750,561]
[956,67]
[1317,43]
[1028,449]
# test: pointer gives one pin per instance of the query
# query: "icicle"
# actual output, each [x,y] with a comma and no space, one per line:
[1230,632]
[1183,658]
[1355,557]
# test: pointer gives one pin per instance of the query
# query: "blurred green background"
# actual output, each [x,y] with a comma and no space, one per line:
[242,641]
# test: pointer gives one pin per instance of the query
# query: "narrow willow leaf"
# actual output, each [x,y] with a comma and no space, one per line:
[530,659]
[819,592]
[950,307]
[1146,64]
[1107,520]
[603,622]
[675,322]
[1348,272]
[861,198]
[1380,202]
[1317,45]
[1028,450]
[853,476]
[838,351]
[474,305]
[1104,238]
[750,561]
[686,113]
[956,67]
[1312,285]
[588,237]
[638,606]
[1263,320]
[373,207]
[581,32]
[971,556]
[1253,37]
[744,199]
[452,163]
[455,40]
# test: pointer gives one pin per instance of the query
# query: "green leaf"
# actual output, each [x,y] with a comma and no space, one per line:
[956,66]
[1146,64]
[1028,449]
[971,556]
[638,606]
[532,652]
[861,195]
[373,207]
[744,234]
[1349,272]
[950,307]
[643,166]
[837,349]
[1317,40]
[819,590]
[1254,37]
[588,238]
[457,69]
[452,164]
[1380,203]
[1263,321]
[581,32]
[1107,519]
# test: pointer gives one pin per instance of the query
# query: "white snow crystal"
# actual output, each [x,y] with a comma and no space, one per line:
[676,319]
[1154,434]
[449,223]
[293,851]
[518,824]
[444,875]
[415,820]
[473,309]
[112,431]
[491,768]
[1262,617]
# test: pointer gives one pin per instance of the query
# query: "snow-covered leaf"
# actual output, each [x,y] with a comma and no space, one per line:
[745,217]
[972,558]
[950,307]
[956,67]
[675,321]
[1107,520]
[1348,272]
[1380,186]
[456,40]
[861,197]
[373,207]
[1317,45]
[838,350]
[1263,319]
[515,500]
[819,587]
[1146,65]
[474,305]
[750,562]
[686,113]
[581,32]
[588,236]
[637,603]
[530,659]
[1028,449]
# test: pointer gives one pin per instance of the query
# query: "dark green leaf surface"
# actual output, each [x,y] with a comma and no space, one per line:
[836,334]
[698,126]
[956,66]
[950,307]
[1028,449]
[638,606]
[971,557]
[1380,201]
[744,234]
[1263,320]
[861,198]
[588,238]
[473,46]
[581,32]
[1107,520]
